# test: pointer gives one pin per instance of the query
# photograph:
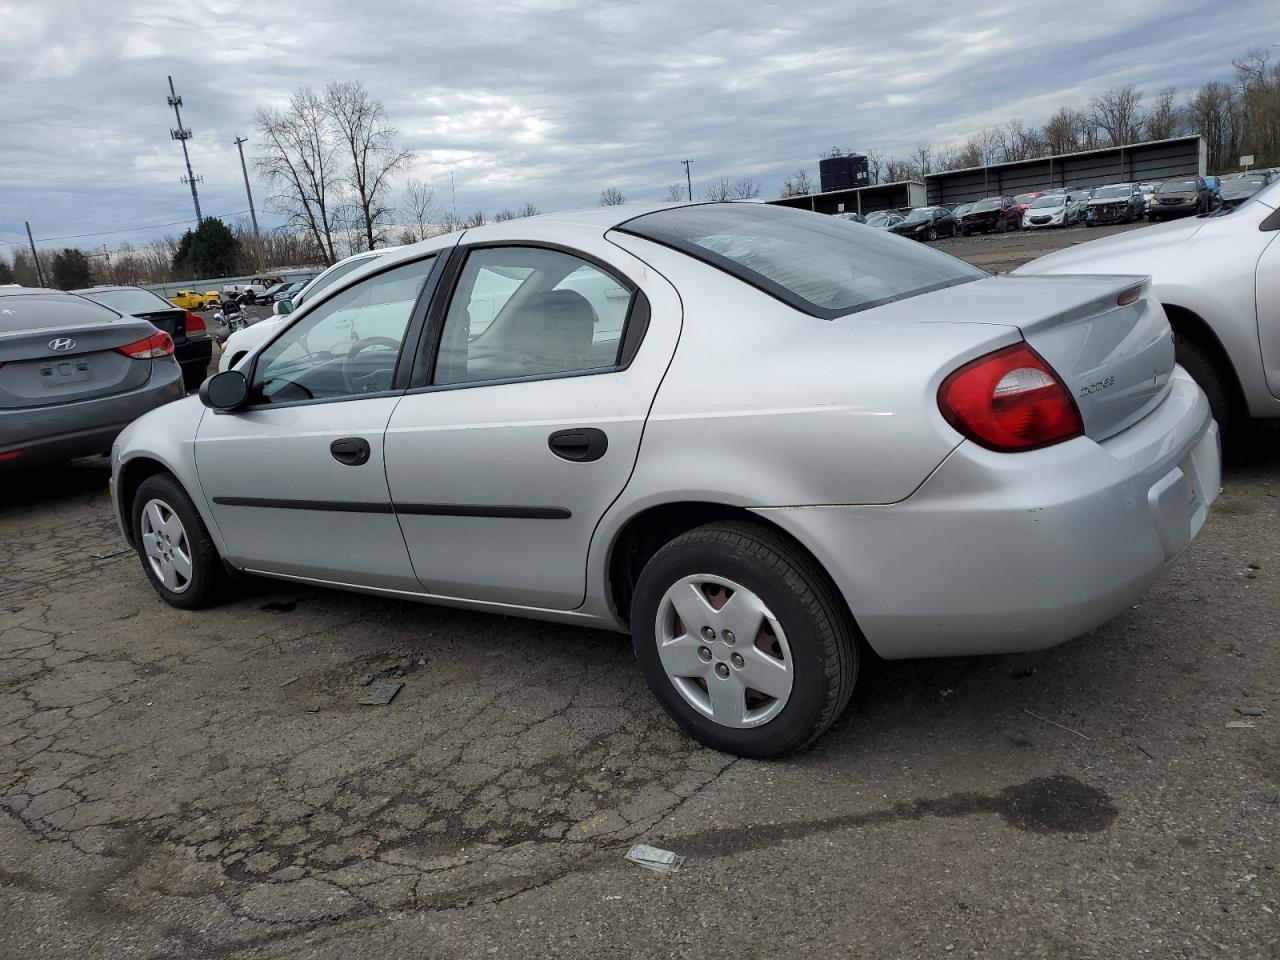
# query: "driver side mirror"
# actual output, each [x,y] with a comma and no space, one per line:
[282,307]
[228,390]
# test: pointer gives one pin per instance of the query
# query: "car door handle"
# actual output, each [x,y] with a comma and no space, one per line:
[580,445]
[353,451]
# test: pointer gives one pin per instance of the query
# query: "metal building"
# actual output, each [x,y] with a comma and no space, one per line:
[881,196]
[843,172]
[1153,160]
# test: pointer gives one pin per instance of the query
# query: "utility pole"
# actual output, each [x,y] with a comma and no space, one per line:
[34,256]
[687,179]
[257,237]
[182,134]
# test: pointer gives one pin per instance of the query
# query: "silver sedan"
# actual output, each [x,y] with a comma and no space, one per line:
[1218,277]
[758,439]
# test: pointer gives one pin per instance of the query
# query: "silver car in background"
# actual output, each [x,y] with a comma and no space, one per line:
[1052,210]
[756,438]
[73,374]
[1218,277]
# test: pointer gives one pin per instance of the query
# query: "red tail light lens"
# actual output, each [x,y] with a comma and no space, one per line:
[159,344]
[11,454]
[195,324]
[1010,400]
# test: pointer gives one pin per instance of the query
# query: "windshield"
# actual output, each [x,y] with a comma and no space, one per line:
[336,272]
[1024,197]
[987,205]
[878,218]
[1241,187]
[1113,192]
[805,260]
[920,213]
[130,301]
[1054,200]
[1177,186]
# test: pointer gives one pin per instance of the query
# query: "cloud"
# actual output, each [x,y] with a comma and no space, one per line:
[546,101]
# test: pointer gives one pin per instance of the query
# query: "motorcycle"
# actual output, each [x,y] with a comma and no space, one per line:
[229,318]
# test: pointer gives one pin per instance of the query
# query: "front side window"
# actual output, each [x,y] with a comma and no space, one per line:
[347,346]
[816,266]
[526,311]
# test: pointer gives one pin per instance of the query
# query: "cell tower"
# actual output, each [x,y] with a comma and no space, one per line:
[182,135]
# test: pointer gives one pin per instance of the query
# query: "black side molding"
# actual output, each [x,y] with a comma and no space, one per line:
[499,511]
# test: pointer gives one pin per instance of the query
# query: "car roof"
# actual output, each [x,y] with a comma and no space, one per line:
[31,291]
[107,288]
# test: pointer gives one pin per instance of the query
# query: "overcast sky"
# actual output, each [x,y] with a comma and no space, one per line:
[549,101]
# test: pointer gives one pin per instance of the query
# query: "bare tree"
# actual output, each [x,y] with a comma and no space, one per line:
[675,193]
[612,197]
[1214,113]
[1016,141]
[506,213]
[718,190]
[797,185]
[1117,113]
[419,210]
[298,157]
[369,142]
[948,159]
[922,158]
[898,170]
[1061,131]
[746,188]
[1164,119]
[475,220]
[875,165]
[1259,109]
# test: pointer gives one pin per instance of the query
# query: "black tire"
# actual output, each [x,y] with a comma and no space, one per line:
[932,234]
[823,639]
[209,580]
[1214,381]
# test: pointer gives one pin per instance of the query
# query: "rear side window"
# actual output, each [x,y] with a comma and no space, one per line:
[820,265]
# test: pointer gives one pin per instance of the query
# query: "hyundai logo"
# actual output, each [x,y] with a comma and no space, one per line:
[62,344]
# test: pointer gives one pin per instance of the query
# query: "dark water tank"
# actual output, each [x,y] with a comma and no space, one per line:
[842,173]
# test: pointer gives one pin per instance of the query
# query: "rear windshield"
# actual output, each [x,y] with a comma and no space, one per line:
[37,311]
[128,301]
[987,205]
[825,267]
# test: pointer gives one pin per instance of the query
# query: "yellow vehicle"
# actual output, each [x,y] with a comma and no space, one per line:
[191,300]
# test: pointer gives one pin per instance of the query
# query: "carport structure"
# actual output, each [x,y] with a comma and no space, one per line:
[881,196]
[1134,162]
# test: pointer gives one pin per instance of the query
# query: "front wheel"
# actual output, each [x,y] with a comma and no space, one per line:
[743,639]
[177,554]
[932,234]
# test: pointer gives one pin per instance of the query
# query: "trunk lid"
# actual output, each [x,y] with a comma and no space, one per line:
[1115,359]
[173,322]
[58,348]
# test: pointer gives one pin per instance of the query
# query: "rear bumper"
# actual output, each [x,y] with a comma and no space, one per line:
[45,435]
[999,553]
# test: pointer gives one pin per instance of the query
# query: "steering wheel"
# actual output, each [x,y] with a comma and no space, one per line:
[356,349]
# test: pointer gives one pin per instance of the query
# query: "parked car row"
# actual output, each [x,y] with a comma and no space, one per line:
[1068,206]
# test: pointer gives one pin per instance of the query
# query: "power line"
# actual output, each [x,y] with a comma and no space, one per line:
[107,233]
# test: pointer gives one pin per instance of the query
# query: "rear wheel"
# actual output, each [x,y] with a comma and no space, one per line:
[177,553]
[1216,384]
[743,640]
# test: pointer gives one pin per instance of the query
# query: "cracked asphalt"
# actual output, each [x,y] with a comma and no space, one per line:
[204,784]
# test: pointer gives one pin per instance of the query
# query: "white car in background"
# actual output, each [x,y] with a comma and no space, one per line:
[242,342]
[1218,277]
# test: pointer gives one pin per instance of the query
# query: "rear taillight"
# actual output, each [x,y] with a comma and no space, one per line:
[159,344]
[195,324]
[1010,400]
[11,454]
